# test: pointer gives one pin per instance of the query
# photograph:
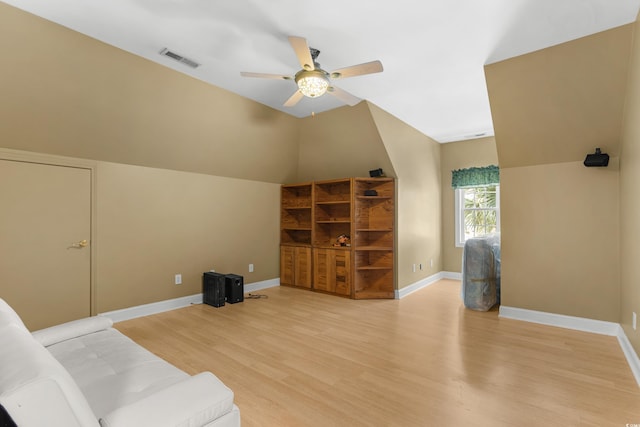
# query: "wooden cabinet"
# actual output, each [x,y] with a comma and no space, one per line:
[314,215]
[332,271]
[295,266]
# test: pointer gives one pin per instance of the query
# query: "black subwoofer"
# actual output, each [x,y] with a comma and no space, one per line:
[234,288]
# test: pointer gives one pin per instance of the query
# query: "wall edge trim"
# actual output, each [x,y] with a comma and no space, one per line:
[581,324]
[629,353]
[560,320]
[427,281]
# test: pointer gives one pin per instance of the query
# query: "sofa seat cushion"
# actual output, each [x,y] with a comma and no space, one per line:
[112,371]
[197,401]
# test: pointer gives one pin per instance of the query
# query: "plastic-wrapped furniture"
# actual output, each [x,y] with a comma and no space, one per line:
[481,272]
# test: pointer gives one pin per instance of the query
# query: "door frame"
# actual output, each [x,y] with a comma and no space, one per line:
[91,165]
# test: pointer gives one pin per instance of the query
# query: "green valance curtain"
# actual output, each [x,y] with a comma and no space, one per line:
[475,177]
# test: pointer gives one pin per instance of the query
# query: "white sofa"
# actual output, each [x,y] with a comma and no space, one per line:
[86,373]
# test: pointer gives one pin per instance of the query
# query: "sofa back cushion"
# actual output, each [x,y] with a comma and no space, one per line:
[34,387]
[8,316]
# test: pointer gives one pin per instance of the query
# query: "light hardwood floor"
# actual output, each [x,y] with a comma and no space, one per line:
[300,358]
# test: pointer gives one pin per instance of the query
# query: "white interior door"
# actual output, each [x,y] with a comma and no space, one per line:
[45,237]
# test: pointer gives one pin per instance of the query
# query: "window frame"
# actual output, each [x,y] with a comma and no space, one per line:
[459,213]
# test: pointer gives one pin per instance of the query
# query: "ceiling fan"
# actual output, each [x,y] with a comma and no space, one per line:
[312,80]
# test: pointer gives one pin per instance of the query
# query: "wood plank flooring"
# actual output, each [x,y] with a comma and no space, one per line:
[304,359]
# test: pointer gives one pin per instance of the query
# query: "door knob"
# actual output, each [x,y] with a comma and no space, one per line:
[79,245]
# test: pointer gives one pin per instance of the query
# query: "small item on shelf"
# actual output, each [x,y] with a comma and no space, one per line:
[343,240]
[376,173]
[370,193]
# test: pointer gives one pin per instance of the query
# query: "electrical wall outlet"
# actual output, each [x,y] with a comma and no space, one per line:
[635,318]
[178,279]
[250,268]
[414,268]
[431,263]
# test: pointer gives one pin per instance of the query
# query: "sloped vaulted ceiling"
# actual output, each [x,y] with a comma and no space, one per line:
[560,103]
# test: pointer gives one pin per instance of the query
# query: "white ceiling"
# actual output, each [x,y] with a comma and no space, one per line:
[433,51]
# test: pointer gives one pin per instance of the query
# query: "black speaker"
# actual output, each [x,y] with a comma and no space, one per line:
[376,173]
[213,292]
[598,159]
[234,288]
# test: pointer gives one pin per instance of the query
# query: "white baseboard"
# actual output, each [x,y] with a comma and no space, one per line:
[152,308]
[423,283]
[452,275]
[630,354]
[580,324]
[172,304]
[569,322]
[256,286]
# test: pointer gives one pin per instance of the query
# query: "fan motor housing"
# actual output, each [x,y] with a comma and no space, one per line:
[320,73]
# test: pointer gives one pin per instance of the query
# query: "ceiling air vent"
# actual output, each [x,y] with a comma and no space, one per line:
[186,61]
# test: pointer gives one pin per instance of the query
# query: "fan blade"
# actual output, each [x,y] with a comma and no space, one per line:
[295,98]
[265,76]
[358,70]
[301,48]
[343,96]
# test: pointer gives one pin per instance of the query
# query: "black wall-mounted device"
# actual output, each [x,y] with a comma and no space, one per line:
[598,159]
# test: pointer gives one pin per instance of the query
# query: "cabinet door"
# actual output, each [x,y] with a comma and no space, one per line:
[303,267]
[322,270]
[332,271]
[287,265]
[341,263]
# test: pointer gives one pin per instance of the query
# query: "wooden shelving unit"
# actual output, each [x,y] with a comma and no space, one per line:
[333,214]
[374,238]
[315,214]
[332,211]
[296,214]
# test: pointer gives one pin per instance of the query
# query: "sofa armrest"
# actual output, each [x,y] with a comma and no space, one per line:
[73,329]
[195,401]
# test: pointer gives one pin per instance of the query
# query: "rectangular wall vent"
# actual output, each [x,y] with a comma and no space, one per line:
[186,61]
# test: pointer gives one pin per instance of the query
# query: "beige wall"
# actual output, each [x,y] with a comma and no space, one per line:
[187,174]
[67,94]
[341,143]
[630,200]
[416,159]
[557,104]
[559,219]
[459,155]
[351,141]
[155,223]
[560,239]
[171,151]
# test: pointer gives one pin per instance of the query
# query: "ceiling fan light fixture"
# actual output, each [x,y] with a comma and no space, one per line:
[312,84]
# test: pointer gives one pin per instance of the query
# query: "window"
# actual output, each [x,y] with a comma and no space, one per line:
[477,212]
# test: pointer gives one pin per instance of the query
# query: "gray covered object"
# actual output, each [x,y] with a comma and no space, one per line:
[481,272]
